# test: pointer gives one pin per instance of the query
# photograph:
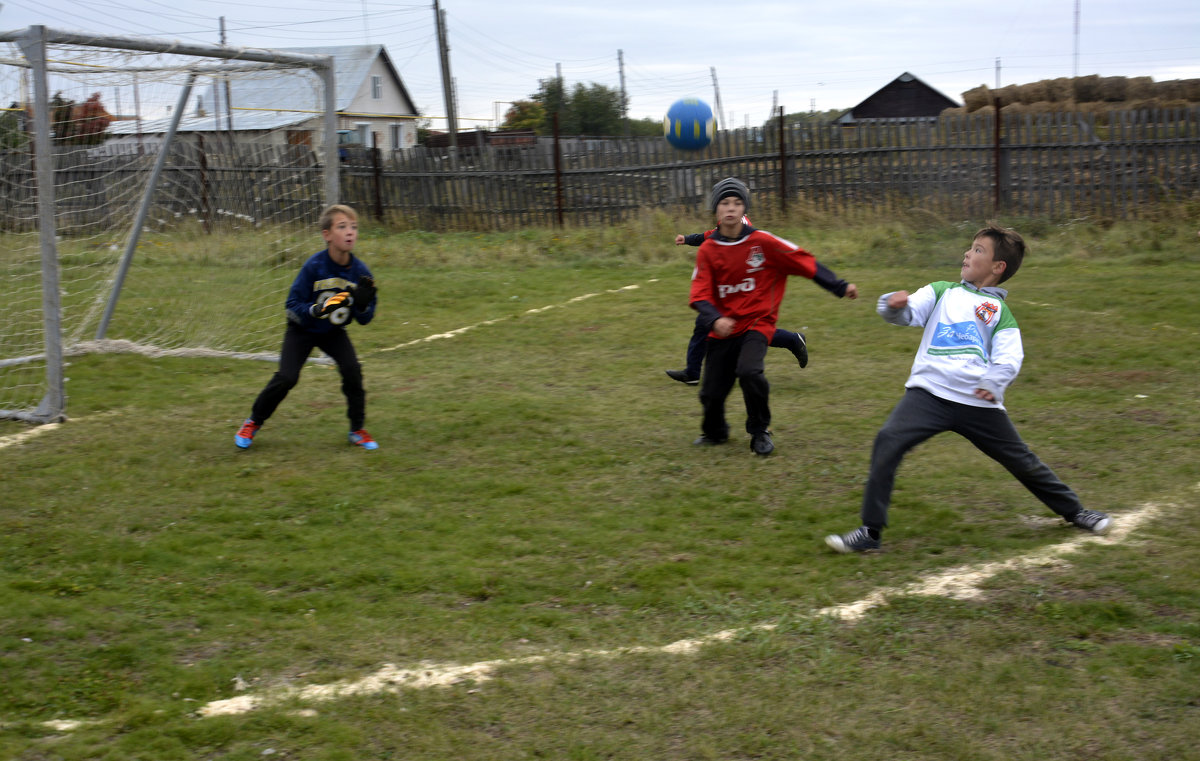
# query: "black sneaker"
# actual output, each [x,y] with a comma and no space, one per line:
[708,441]
[858,540]
[801,352]
[1092,520]
[682,377]
[761,443]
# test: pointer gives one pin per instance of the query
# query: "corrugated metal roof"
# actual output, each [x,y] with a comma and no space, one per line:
[351,66]
[281,99]
[242,121]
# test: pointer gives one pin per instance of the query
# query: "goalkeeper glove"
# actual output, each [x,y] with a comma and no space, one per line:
[332,303]
[364,293]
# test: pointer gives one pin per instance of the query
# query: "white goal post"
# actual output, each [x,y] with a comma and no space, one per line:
[228,199]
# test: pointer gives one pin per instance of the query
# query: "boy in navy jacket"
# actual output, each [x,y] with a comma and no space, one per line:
[333,288]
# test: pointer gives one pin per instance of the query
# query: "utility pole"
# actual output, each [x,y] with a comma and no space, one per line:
[561,103]
[228,105]
[717,98]
[624,97]
[1075,70]
[447,81]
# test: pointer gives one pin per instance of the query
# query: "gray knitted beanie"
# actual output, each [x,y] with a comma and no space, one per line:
[729,187]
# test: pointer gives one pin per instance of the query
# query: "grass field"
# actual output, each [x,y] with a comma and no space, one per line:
[536,564]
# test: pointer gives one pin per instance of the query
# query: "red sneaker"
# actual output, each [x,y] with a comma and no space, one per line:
[245,436]
[363,439]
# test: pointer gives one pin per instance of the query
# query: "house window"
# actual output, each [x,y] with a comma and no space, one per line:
[396,132]
[364,133]
[377,87]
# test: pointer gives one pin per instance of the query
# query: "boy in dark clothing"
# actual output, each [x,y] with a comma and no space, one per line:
[970,352]
[739,282]
[332,288]
[690,374]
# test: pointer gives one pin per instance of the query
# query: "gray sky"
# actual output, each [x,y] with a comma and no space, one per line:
[802,55]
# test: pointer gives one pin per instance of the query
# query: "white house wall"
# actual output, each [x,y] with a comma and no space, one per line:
[383,112]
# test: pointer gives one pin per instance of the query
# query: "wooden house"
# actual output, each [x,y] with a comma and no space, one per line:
[905,98]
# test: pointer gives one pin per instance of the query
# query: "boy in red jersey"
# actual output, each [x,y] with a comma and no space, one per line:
[739,282]
[690,374]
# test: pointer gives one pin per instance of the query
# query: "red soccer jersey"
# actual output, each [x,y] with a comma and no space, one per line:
[746,279]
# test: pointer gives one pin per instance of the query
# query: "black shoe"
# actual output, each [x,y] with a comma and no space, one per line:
[858,540]
[707,441]
[761,443]
[801,352]
[1092,520]
[682,377]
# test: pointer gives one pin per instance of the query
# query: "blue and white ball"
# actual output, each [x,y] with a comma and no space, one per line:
[689,124]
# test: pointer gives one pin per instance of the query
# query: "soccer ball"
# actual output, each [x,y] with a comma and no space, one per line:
[689,124]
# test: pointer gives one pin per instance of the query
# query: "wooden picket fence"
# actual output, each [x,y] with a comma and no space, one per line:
[1060,165]
[1056,166]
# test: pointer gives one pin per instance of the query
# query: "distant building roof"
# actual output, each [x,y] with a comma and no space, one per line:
[352,65]
[282,99]
[905,97]
[242,121]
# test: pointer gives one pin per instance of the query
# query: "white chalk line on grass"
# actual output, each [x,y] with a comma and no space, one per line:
[962,582]
[23,436]
[538,310]
[129,347]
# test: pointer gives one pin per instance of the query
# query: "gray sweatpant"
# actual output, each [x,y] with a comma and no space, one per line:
[921,415]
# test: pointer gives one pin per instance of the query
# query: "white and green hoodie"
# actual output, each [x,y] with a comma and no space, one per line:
[971,341]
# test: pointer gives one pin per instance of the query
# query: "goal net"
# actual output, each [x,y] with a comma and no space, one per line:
[155,197]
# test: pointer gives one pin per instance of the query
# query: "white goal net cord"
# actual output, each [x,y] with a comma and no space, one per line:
[231,217]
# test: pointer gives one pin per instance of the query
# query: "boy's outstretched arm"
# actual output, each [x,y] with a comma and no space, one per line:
[894,308]
[824,277]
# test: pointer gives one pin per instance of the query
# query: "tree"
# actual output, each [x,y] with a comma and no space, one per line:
[646,127]
[596,110]
[525,114]
[553,97]
[423,130]
[593,110]
[12,127]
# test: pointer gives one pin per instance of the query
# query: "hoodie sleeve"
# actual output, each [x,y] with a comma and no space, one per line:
[794,260]
[1007,354]
[920,306]
[300,297]
[825,278]
[902,316]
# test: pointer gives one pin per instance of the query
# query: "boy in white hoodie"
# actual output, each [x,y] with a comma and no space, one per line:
[969,354]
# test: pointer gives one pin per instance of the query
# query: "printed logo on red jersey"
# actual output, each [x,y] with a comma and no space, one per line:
[745,286]
[756,258]
[986,312]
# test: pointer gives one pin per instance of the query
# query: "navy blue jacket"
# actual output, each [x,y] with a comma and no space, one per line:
[320,278]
